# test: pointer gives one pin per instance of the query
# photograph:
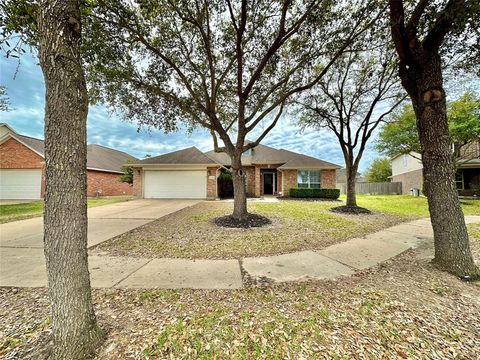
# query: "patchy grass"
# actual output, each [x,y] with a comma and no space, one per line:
[474,232]
[22,211]
[408,206]
[296,225]
[404,308]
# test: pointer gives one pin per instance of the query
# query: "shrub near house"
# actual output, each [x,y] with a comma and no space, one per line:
[314,193]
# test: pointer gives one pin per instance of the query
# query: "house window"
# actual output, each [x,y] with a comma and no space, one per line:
[405,160]
[459,180]
[248,152]
[309,179]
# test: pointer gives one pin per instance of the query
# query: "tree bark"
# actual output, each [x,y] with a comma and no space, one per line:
[75,332]
[351,172]
[425,87]
[239,189]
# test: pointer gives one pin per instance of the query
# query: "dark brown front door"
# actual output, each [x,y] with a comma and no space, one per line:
[268,184]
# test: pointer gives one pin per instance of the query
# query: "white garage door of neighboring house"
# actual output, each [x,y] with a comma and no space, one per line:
[20,183]
[166,184]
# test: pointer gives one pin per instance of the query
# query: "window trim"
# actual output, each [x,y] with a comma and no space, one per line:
[461,181]
[309,183]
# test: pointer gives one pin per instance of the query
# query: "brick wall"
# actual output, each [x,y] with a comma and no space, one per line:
[279,182]
[15,155]
[328,179]
[137,182]
[109,183]
[212,189]
[411,179]
[250,177]
[258,182]
[289,180]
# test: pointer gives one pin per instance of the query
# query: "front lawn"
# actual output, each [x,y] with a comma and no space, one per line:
[14,212]
[408,206]
[296,225]
[404,308]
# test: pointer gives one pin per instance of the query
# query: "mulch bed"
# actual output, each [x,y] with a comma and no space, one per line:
[252,220]
[355,210]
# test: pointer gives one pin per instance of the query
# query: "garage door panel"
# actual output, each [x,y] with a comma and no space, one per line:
[176,184]
[20,183]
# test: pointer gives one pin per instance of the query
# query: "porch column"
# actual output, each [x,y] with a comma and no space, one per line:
[257,181]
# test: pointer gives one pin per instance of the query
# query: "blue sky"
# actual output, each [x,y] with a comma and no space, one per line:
[26,93]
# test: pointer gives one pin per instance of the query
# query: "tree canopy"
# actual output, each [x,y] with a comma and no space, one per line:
[354,98]
[400,136]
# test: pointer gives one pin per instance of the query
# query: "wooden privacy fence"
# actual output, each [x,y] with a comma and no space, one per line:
[383,188]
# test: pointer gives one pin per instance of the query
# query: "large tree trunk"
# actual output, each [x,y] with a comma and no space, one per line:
[425,87]
[239,190]
[351,172]
[75,332]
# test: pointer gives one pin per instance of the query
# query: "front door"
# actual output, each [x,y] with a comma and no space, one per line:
[268,184]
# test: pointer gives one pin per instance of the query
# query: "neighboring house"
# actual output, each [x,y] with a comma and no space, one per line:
[22,168]
[342,177]
[189,173]
[407,169]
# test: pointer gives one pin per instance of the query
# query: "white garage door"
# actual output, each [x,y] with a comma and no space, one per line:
[20,183]
[176,184]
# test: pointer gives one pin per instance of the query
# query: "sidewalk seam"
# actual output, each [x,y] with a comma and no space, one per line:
[133,272]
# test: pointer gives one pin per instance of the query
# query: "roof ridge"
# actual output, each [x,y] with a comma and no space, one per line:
[109,148]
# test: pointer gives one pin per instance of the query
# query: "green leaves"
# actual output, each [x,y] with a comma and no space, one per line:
[400,136]
[379,171]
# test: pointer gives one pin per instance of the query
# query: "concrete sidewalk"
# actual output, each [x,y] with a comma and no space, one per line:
[22,267]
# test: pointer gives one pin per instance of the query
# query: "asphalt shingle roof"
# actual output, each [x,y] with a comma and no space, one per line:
[104,158]
[187,156]
[263,154]
[98,157]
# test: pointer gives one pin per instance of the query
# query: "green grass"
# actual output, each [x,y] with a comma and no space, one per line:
[407,206]
[296,225]
[14,212]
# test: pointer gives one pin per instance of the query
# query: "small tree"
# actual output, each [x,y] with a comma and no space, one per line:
[422,33]
[379,171]
[352,101]
[230,67]
[127,173]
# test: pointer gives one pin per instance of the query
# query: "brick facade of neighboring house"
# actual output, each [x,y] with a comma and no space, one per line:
[14,155]
[19,152]
[109,184]
[410,180]
[138,182]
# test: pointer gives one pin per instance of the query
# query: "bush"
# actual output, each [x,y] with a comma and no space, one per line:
[314,193]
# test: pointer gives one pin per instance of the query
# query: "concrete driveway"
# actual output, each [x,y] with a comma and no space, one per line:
[22,262]
[104,222]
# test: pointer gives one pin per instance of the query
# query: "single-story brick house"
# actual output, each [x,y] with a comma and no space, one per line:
[22,168]
[408,169]
[190,173]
